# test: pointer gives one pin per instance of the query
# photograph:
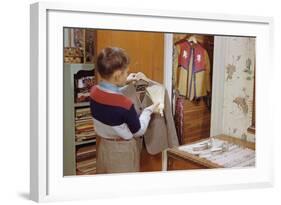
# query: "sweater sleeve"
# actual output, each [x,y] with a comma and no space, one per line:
[144,121]
[138,125]
[132,120]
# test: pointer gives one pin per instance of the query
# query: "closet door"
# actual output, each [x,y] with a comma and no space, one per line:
[146,50]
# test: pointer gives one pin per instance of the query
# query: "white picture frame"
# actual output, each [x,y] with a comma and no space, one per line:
[46,179]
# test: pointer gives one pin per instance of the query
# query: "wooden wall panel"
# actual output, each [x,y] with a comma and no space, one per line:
[150,163]
[146,50]
[197,121]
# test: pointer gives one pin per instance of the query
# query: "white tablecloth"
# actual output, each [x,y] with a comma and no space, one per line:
[233,156]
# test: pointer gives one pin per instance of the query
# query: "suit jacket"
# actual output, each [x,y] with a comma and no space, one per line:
[161,131]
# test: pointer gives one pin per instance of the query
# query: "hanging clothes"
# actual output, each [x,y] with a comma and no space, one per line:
[191,70]
[161,132]
[179,117]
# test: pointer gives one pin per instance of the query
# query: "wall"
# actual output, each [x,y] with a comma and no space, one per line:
[238,86]
[146,50]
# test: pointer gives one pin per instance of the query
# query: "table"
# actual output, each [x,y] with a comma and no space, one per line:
[182,160]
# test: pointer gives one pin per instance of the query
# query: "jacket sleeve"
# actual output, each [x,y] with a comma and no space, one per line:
[171,129]
[132,120]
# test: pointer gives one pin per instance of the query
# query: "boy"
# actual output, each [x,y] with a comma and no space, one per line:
[115,118]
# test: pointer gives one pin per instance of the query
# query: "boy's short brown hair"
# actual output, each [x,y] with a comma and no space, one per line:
[111,59]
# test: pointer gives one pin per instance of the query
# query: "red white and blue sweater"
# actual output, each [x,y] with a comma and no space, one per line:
[114,114]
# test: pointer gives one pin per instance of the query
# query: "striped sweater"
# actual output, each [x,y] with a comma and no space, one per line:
[114,114]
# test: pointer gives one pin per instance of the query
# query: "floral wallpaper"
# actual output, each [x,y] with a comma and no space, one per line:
[239,86]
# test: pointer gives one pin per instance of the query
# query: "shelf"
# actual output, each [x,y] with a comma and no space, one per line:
[82,104]
[73,63]
[74,56]
[85,142]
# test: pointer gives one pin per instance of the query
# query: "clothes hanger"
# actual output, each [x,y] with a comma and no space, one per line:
[142,76]
[182,39]
[192,39]
[140,82]
[136,77]
[187,37]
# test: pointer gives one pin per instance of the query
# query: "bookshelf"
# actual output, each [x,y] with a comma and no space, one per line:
[79,45]
[79,153]
[81,104]
[79,138]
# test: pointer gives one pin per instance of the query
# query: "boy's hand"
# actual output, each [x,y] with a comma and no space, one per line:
[131,77]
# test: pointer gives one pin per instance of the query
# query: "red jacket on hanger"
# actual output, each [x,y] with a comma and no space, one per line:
[192,70]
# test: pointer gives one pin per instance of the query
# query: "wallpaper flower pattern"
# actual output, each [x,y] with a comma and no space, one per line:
[238,86]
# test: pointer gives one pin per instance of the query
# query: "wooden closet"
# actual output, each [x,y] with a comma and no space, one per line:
[146,51]
[197,115]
